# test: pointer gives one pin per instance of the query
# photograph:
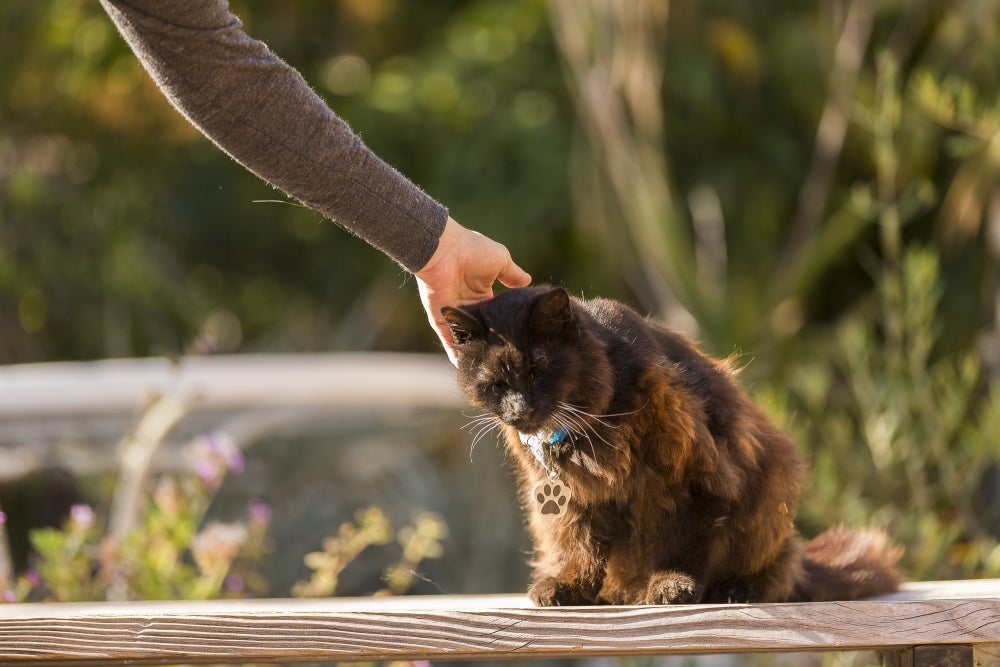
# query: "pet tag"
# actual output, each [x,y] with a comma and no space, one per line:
[551,497]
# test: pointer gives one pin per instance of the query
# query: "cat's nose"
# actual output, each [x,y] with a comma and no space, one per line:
[514,408]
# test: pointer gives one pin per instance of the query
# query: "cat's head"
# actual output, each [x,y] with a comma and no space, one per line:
[528,356]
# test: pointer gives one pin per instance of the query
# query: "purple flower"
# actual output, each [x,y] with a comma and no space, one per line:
[205,469]
[234,583]
[235,461]
[8,596]
[220,455]
[3,518]
[33,576]
[82,516]
[214,442]
[259,511]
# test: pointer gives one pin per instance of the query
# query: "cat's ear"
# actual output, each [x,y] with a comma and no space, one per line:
[465,328]
[553,314]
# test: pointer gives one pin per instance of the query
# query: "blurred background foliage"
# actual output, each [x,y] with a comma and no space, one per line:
[810,185]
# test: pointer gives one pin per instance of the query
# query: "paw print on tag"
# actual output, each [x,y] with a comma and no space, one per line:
[551,498]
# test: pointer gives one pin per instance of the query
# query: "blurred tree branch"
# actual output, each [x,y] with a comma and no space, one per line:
[848,57]
[615,75]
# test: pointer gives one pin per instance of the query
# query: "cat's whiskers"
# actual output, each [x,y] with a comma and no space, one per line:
[581,410]
[583,427]
[477,420]
[568,424]
[584,418]
[480,426]
[576,426]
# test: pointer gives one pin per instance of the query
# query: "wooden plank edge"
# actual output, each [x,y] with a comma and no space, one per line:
[482,628]
[909,591]
[945,590]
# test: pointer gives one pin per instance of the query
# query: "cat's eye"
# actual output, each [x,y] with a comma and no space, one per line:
[496,387]
[540,362]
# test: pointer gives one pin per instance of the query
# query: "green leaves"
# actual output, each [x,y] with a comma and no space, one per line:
[371,527]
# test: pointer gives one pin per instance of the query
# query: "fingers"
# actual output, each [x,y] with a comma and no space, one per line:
[433,299]
[444,335]
[513,275]
[489,263]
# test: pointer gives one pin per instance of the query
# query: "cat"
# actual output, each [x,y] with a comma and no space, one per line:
[647,475]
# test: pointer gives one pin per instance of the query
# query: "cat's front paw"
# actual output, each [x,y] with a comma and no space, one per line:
[553,592]
[672,588]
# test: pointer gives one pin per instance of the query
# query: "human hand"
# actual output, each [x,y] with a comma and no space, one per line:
[462,271]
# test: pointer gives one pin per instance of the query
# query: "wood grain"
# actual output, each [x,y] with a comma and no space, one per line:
[481,627]
[986,655]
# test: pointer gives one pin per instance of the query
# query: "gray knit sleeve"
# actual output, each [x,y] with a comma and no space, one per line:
[262,112]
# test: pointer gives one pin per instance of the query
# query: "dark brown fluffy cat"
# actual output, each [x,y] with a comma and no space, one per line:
[648,475]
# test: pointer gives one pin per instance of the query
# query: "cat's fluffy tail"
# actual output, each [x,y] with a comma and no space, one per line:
[848,564]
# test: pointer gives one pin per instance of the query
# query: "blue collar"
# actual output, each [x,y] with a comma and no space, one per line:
[542,449]
[558,436]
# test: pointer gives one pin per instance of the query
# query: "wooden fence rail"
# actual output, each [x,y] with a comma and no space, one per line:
[935,623]
[48,409]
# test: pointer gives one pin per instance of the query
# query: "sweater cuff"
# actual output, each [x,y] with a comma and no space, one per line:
[410,221]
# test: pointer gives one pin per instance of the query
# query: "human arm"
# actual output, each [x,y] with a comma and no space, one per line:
[261,112]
